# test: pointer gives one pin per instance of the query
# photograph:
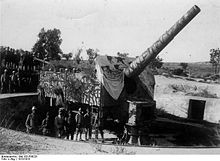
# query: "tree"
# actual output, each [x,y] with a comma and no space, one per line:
[215,59]
[184,65]
[92,54]
[48,45]
[122,55]
[156,63]
[179,72]
[67,56]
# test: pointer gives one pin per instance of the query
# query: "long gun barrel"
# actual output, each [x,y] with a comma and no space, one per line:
[139,64]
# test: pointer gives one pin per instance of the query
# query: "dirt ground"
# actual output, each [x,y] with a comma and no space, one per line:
[14,142]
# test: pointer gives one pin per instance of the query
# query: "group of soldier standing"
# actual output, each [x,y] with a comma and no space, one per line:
[17,69]
[10,83]
[14,58]
[64,125]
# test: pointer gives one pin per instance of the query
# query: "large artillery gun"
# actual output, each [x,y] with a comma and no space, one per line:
[127,91]
[134,78]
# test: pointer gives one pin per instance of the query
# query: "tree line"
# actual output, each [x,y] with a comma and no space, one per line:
[47,48]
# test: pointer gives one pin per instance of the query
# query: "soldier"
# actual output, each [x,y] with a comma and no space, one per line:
[87,124]
[25,60]
[17,58]
[22,60]
[4,82]
[13,58]
[100,125]
[18,75]
[47,125]
[10,58]
[13,82]
[6,56]
[2,54]
[60,124]
[79,124]
[71,125]
[32,122]
[29,81]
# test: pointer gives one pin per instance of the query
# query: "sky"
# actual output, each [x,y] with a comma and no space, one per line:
[113,26]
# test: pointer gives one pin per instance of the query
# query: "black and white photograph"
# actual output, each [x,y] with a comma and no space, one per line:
[109,77]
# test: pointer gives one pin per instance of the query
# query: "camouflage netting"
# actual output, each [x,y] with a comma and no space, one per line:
[76,87]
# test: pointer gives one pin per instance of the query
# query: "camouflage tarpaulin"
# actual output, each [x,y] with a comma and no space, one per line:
[110,73]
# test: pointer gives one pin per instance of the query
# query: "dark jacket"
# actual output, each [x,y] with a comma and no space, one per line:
[47,126]
[60,122]
[87,120]
[47,123]
[71,123]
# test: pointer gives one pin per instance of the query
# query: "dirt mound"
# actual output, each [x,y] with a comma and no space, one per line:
[173,95]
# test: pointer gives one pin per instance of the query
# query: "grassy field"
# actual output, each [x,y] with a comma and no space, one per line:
[197,70]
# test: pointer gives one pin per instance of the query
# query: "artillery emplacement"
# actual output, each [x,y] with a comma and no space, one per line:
[127,87]
[125,94]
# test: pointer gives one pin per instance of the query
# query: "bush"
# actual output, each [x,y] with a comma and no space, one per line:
[203,93]
[179,72]
[215,77]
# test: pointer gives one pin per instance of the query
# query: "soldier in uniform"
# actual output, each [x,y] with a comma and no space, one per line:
[13,82]
[13,58]
[6,56]
[100,125]
[32,122]
[2,54]
[17,59]
[71,125]
[10,58]
[79,124]
[25,60]
[18,75]
[47,125]
[87,124]
[60,124]
[4,82]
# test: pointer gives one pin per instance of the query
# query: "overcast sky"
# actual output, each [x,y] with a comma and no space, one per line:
[112,25]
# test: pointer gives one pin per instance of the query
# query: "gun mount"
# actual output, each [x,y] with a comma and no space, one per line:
[127,89]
